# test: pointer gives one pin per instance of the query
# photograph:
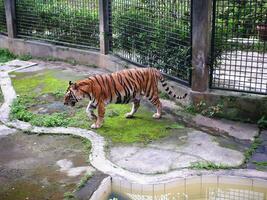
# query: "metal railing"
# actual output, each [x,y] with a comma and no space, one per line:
[154,33]
[239,46]
[67,22]
[3,28]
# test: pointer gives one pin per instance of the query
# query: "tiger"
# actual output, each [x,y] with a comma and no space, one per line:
[120,87]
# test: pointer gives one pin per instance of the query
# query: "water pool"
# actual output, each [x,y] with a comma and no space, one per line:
[196,188]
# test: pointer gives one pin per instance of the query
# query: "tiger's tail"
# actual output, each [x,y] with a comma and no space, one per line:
[168,89]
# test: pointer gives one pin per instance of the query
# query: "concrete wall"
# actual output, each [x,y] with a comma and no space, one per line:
[103,190]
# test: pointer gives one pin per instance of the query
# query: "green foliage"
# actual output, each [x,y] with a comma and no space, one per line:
[61,21]
[235,18]
[251,150]
[1,96]
[142,128]
[158,40]
[204,109]
[164,95]
[84,180]
[262,122]
[25,57]
[238,19]
[263,163]
[3,27]
[40,83]
[208,166]
[19,111]
[6,55]
[69,196]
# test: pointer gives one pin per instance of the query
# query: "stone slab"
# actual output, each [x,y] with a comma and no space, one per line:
[238,130]
[163,156]
[4,130]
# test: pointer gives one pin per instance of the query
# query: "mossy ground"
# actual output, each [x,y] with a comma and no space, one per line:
[32,86]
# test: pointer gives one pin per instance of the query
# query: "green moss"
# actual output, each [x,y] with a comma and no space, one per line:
[83,181]
[251,150]
[142,128]
[208,166]
[25,57]
[69,196]
[1,96]
[40,83]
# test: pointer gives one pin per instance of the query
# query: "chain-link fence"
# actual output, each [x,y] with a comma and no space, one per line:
[154,33]
[69,22]
[3,28]
[239,45]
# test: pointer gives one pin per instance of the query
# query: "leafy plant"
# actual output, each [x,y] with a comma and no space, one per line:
[61,21]
[251,150]
[6,55]
[153,38]
[84,180]
[19,111]
[262,122]
[208,166]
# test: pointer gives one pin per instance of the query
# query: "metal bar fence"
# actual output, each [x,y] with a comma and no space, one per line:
[154,33]
[239,49]
[67,22]
[3,27]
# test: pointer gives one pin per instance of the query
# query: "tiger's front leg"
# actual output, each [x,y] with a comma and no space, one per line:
[90,111]
[100,117]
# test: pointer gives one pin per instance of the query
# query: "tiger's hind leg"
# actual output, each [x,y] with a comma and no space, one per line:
[156,102]
[135,106]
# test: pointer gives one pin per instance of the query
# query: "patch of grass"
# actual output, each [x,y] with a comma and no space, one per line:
[191,109]
[208,166]
[6,55]
[142,128]
[263,163]
[40,83]
[164,95]
[1,96]
[69,196]
[262,122]
[84,180]
[24,57]
[175,126]
[19,111]
[251,150]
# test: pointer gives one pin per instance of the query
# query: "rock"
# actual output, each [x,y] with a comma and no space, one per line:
[259,157]
[239,130]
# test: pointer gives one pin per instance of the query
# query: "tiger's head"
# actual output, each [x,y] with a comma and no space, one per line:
[72,95]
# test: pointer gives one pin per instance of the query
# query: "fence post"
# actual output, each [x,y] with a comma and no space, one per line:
[10,18]
[104,26]
[201,32]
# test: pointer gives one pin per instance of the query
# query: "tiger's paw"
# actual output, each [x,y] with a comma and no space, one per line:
[95,126]
[129,115]
[157,116]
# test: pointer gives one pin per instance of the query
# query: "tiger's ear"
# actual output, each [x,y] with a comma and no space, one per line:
[70,83]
